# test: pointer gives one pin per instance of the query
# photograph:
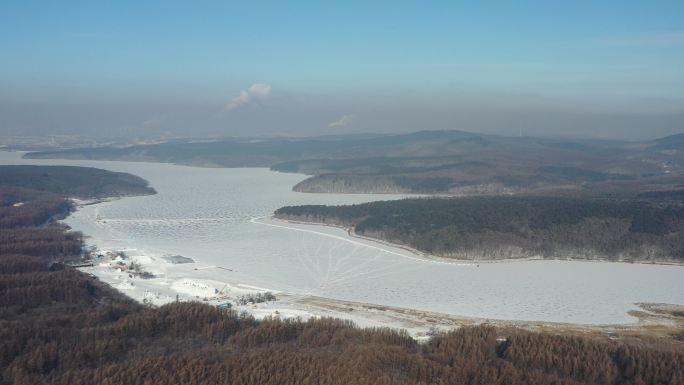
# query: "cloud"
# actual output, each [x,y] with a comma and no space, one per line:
[257,91]
[342,122]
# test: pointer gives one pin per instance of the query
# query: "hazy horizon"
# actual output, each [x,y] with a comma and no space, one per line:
[604,70]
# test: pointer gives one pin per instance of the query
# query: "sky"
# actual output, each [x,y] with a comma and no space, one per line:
[606,69]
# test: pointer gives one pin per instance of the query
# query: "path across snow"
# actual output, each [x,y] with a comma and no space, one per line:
[349,239]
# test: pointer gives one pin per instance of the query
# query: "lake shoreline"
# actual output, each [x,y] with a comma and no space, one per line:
[454,260]
[206,217]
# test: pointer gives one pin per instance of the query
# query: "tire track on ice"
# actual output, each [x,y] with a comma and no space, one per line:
[256,220]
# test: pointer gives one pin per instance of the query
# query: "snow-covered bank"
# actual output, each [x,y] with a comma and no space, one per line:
[152,280]
[124,273]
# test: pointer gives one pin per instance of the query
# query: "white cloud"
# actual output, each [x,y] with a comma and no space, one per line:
[257,91]
[260,89]
[342,122]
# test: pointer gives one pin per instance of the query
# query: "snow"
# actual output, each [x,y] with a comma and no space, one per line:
[194,288]
[125,285]
[220,219]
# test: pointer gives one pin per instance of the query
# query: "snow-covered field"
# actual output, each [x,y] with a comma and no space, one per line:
[220,219]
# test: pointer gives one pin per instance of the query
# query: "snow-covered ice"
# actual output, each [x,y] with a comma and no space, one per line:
[219,218]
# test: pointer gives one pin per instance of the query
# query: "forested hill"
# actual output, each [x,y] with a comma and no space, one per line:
[430,162]
[77,182]
[515,227]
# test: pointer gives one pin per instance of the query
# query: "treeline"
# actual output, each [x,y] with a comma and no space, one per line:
[429,162]
[109,341]
[515,227]
[78,182]
[26,226]
[22,207]
[393,184]
[62,326]
[403,176]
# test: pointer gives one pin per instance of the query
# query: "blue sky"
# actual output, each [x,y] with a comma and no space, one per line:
[588,68]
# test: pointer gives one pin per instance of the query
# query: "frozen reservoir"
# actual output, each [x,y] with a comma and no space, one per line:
[219,218]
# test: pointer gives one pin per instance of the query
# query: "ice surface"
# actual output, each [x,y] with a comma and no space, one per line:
[219,218]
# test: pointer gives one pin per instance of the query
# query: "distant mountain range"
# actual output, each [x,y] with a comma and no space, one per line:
[431,162]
